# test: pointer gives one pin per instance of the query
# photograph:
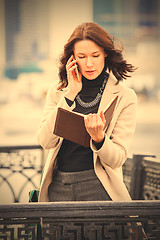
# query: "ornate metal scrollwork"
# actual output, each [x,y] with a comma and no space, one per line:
[20,171]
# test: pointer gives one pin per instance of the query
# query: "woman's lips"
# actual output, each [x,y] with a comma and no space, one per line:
[90,72]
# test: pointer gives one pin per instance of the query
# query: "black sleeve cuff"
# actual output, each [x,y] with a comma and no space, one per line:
[99,144]
[69,102]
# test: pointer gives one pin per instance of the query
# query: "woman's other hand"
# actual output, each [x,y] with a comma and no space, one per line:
[94,124]
[74,81]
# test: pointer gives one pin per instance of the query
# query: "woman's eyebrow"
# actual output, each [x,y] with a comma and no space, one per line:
[96,52]
[91,53]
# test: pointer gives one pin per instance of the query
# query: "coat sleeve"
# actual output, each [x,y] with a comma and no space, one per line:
[54,99]
[115,147]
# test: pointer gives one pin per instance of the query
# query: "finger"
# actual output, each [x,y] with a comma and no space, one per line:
[102,117]
[88,120]
[72,68]
[99,122]
[92,121]
[71,61]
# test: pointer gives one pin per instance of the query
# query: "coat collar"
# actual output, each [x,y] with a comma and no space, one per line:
[112,85]
[110,92]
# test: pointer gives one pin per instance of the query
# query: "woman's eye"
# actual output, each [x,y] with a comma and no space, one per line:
[81,57]
[96,56]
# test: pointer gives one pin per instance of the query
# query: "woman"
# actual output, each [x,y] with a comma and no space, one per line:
[73,172]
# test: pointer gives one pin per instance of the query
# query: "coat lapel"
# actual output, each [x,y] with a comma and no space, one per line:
[110,92]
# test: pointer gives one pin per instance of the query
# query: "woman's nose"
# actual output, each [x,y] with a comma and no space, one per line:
[89,62]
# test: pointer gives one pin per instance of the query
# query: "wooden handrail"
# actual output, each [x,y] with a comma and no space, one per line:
[81,209]
[81,220]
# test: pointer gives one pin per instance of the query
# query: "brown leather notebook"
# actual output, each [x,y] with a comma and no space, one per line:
[70,125]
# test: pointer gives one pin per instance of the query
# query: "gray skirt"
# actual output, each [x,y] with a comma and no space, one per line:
[76,186]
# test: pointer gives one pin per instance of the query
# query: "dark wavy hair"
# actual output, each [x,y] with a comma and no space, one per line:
[114,60]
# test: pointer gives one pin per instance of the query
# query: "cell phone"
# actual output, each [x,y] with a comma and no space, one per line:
[76,71]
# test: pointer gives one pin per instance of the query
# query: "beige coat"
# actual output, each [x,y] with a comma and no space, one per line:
[108,160]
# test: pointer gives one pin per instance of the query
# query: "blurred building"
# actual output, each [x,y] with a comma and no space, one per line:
[131,21]
[137,24]
[27,32]
[37,29]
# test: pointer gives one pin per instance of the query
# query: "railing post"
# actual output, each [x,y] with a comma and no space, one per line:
[151,179]
[137,176]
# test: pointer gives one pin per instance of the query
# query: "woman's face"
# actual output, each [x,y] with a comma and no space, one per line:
[90,58]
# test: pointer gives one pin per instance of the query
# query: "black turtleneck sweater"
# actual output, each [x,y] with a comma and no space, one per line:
[73,157]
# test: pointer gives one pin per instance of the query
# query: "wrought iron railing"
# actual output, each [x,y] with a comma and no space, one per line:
[151,179]
[105,220]
[21,168]
[142,177]
[20,171]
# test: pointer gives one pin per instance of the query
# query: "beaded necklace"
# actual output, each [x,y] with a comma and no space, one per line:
[97,98]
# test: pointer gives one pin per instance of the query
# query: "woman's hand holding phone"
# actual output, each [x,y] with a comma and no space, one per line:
[74,78]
